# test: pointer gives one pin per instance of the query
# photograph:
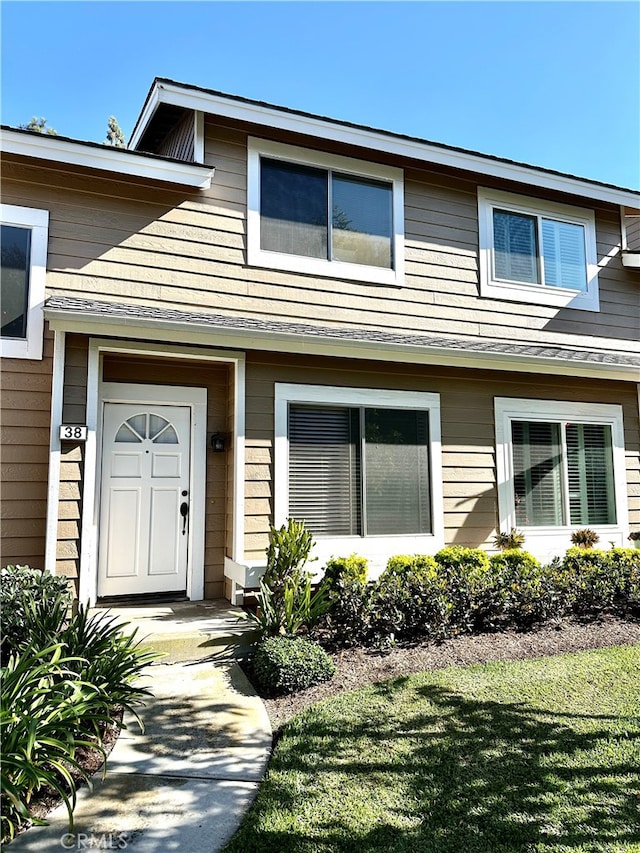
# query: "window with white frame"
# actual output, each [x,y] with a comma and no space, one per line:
[324,215]
[560,465]
[361,463]
[23,247]
[537,251]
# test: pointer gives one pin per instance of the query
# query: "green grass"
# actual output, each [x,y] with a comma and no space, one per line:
[538,756]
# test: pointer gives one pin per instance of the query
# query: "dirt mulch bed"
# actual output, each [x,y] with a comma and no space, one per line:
[359,667]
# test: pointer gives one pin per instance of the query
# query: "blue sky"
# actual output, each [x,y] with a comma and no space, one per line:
[553,84]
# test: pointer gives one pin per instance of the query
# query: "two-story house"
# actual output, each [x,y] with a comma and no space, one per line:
[255,313]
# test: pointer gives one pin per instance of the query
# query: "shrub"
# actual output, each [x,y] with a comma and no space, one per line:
[514,594]
[586,581]
[59,689]
[45,716]
[341,569]
[291,609]
[464,573]
[347,621]
[288,664]
[286,601]
[410,600]
[625,564]
[287,553]
[23,589]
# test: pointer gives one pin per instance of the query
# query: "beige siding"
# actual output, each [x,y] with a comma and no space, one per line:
[632,224]
[140,244]
[468,433]
[25,416]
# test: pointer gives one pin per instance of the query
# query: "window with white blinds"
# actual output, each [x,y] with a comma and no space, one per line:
[359,471]
[537,251]
[562,474]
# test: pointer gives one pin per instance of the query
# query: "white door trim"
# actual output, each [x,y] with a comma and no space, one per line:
[196,399]
[88,574]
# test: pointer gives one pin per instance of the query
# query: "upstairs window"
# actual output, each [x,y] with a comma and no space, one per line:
[537,252]
[324,215]
[23,249]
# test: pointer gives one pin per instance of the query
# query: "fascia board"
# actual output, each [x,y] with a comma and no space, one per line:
[273,118]
[243,339]
[106,159]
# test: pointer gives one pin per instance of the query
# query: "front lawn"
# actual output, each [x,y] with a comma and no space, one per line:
[537,756]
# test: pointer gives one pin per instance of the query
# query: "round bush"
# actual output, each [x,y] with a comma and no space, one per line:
[344,570]
[289,664]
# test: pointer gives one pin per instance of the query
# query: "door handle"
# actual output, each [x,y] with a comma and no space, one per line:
[184,512]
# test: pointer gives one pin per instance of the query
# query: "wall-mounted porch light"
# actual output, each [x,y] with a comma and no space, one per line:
[218,442]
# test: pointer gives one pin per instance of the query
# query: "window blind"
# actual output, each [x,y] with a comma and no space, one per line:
[324,469]
[590,474]
[397,472]
[537,463]
[564,254]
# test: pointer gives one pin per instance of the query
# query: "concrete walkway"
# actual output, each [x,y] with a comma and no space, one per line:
[186,783]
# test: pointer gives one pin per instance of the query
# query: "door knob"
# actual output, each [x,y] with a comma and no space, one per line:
[184,512]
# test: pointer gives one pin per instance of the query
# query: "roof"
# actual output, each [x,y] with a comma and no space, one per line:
[253,333]
[164,91]
[63,149]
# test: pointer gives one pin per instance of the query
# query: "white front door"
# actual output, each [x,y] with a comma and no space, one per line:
[144,516]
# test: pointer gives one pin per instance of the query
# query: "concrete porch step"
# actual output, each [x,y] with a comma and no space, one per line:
[189,630]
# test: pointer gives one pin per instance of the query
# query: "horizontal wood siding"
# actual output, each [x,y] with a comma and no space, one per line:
[25,417]
[468,432]
[137,243]
[632,224]
[74,411]
[216,379]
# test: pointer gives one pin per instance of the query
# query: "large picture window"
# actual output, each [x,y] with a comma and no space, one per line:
[360,464]
[359,471]
[324,215]
[23,245]
[537,251]
[560,466]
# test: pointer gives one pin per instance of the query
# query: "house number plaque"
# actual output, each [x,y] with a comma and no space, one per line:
[71,432]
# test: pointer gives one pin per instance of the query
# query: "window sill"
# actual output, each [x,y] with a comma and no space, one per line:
[325,269]
[535,294]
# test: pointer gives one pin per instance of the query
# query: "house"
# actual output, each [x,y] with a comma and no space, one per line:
[255,313]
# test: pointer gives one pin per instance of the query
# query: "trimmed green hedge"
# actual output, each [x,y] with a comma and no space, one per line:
[464,590]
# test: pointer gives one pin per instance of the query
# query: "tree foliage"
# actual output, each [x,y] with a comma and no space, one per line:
[39,125]
[115,136]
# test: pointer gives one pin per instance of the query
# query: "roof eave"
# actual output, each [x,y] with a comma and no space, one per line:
[105,158]
[191,333]
[273,117]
